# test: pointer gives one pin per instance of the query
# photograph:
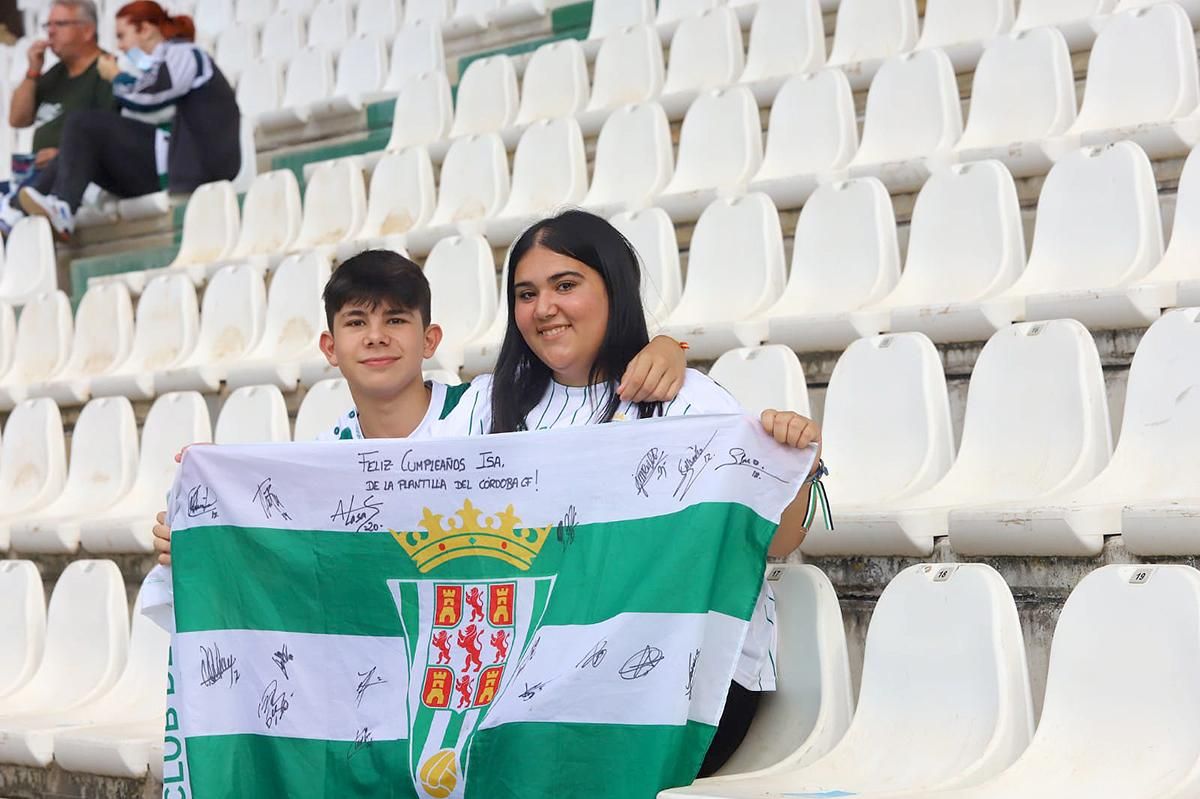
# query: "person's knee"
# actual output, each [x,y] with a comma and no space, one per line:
[81,124]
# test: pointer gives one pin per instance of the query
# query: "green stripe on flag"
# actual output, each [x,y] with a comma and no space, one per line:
[335,582]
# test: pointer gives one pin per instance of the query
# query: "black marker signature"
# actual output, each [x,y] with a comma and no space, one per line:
[282,658]
[531,690]
[269,501]
[595,655]
[688,466]
[213,667]
[641,663]
[368,679]
[273,704]
[693,659]
[359,516]
[528,656]
[652,466]
[738,457]
[566,528]
[362,739]
[201,500]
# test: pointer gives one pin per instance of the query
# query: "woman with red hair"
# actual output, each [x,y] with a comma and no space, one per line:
[124,155]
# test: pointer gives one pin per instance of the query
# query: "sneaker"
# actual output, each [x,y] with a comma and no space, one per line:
[9,216]
[58,212]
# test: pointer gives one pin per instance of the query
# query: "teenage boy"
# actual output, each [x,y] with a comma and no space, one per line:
[377,307]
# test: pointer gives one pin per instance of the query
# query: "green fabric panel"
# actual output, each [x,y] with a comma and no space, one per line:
[567,18]
[132,261]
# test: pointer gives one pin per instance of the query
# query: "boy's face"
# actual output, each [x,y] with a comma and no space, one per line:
[379,350]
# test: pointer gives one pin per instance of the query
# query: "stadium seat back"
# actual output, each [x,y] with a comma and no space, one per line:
[231,315]
[629,68]
[1043,13]
[474,180]
[237,49]
[1142,69]
[763,377]
[321,407]
[476,9]
[424,111]
[652,235]
[260,88]
[253,415]
[29,266]
[44,335]
[103,330]
[377,17]
[166,325]
[706,52]
[252,13]
[813,127]
[23,620]
[362,66]
[555,83]
[720,143]
[330,25]
[402,195]
[1030,71]
[787,37]
[1178,262]
[270,214]
[282,36]
[211,224]
[462,281]
[951,22]
[309,77]
[549,168]
[913,109]
[676,10]
[174,421]
[433,12]
[610,16]
[335,203]
[8,338]
[212,17]
[417,49]
[487,97]
[869,29]
[634,160]
[295,313]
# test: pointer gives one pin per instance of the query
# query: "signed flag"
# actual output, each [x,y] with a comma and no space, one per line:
[550,614]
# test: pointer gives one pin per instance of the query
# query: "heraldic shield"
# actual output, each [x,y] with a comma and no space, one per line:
[466,640]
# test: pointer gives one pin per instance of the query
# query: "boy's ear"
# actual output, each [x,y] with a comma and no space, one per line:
[326,344]
[433,337]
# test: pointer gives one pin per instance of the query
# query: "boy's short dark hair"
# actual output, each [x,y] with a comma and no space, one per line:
[375,277]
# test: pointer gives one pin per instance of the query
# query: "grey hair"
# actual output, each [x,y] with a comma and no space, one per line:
[86,9]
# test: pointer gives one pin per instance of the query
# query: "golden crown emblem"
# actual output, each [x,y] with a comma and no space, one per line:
[469,532]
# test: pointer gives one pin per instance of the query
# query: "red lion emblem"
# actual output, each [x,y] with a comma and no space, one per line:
[475,600]
[463,686]
[500,641]
[441,642]
[468,639]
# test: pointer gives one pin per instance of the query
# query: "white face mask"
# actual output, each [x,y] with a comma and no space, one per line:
[139,58]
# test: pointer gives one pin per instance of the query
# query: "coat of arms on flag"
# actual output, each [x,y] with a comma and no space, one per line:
[507,598]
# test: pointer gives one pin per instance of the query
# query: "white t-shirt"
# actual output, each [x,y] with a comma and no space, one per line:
[442,399]
[568,406]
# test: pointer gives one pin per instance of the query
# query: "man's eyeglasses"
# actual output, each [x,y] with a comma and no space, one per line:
[60,23]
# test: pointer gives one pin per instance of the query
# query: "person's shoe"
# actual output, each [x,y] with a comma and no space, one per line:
[9,216]
[57,211]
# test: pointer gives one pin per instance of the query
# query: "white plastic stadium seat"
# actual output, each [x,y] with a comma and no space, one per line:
[270,219]
[869,31]
[912,122]
[652,236]
[321,407]
[29,266]
[706,53]
[966,245]
[253,415]
[811,136]
[282,36]
[23,622]
[1143,83]
[260,89]
[211,17]
[812,705]
[1077,19]
[763,377]
[629,69]
[1122,625]
[720,150]
[886,394]
[462,280]
[417,49]
[671,12]
[104,456]
[294,321]
[231,323]
[87,640]
[610,16]
[165,331]
[1178,269]
[252,13]
[102,341]
[330,25]
[426,11]
[481,352]
[633,161]
[962,714]
[1098,232]
[380,17]
[309,81]
[549,172]
[787,38]
[1192,7]
[362,69]
[555,83]
[8,338]
[43,346]
[211,225]
[33,462]
[487,97]
[237,49]
[961,27]
[473,186]
[716,297]
[424,112]
[850,224]
[1022,103]
[138,695]
[174,421]
[402,197]
[335,204]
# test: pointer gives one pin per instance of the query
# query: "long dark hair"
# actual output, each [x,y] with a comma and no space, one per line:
[521,379]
